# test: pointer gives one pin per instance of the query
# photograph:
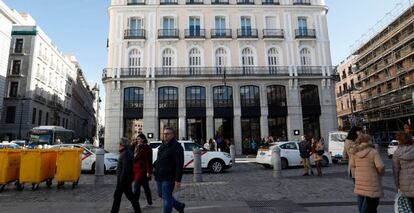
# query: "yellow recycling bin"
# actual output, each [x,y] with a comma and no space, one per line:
[68,166]
[37,166]
[9,167]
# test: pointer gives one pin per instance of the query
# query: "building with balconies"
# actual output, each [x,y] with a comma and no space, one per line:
[226,69]
[385,65]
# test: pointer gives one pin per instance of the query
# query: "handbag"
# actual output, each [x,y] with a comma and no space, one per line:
[402,204]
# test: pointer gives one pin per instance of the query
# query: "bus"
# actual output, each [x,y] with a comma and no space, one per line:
[50,135]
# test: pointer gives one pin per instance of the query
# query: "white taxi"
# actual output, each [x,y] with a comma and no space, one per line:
[289,154]
[216,162]
[89,157]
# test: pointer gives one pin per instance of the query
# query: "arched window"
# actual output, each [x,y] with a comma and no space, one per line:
[195,96]
[194,61]
[133,97]
[167,97]
[222,96]
[220,60]
[247,61]
[276,95]
[134,62]
[249,96]
[167,61]
[305,57]
[273,60]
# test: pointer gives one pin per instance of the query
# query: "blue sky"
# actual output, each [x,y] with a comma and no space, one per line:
[80,27]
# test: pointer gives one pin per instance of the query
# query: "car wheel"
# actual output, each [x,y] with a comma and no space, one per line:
[267,166]
[325,161]
[285,163]
[216,166]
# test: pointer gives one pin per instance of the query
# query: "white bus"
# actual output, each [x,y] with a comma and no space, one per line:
[336,144]
[50,135]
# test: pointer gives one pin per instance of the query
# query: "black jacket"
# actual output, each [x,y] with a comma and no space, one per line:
[305,149]
[170,161]
[124,168]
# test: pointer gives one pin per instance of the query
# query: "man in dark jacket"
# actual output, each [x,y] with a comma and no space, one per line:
[305,152]
[124,178]
[169,170]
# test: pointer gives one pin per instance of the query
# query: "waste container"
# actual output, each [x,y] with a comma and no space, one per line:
[68,166]
[9,167]
[37,166]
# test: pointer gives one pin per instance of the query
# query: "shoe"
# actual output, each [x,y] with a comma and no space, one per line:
[311,172]
[182,209]
[306,174]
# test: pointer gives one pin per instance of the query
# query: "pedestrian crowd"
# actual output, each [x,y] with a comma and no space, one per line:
[314,149]
[366,169]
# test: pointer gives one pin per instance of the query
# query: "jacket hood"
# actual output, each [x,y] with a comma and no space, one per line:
[361,150]
[405,152]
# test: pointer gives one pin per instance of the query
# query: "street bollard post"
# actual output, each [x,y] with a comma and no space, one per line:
[276,162]
[99,166]
[197,176]
[233,154]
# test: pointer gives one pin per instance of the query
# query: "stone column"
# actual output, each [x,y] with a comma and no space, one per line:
[150,113]
[181,112]
[237,120]
[327,120]
[113,118]
[209,113]
[264,110]
[294,118]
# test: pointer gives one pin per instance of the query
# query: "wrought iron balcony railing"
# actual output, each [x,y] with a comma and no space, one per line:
[220,33]
[219,1]
[309,70]
[134,34]
[195,33]
[136,2]
[273,33]
[194,2]
[301,2]
[221,71]
[168,2]
[247,33]
[270,2]
[251,2]
[305,33]
[168,33]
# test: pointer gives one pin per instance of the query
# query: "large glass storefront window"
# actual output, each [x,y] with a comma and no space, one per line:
[167,97]
[276,95]
[249,96]
[196,130]
[278,128]
[132,128]
[196,97]
[223,128]
[250,135]
[223,96]
[170,122]
[311,110]
[133,97]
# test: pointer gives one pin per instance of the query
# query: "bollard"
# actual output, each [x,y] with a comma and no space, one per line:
[99,166]
[197,176]
[277,166]
[233,154]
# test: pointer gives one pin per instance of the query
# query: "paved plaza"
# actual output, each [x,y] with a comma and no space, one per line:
[247,187]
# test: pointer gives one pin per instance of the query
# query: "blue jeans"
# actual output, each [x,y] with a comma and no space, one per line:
[367,204]
[165,191]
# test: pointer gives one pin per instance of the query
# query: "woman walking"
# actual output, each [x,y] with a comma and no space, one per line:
[368,167]
[403,166]
[349,141]
[318,148]
[142,167]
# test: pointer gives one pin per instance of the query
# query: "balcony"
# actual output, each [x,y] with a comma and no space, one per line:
[195,33]
[168,34]
[309,70]
[221,72]
[219,1]
[131,72]
[270,2]
[301,2]
[305,33]
[194,2]
[273,33]
[247,33]
[134,34]
[168,2]
[136,2]
[249,2]
[220,33]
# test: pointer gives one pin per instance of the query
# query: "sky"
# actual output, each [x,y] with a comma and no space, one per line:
[80,27]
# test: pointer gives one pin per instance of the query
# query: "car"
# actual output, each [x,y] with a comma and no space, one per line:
[215,161]
[391,148]
[289,154]
[9,145]
[89,157]
[21,143]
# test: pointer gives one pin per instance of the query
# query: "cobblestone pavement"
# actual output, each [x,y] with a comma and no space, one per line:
[247,187]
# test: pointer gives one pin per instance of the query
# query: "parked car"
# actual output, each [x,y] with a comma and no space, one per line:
[216,162]
[391,148]
[89,157]
[21,143]
[289,154]
[9,145]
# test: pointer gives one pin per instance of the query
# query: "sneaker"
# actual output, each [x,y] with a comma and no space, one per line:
[147,206]
[182,209]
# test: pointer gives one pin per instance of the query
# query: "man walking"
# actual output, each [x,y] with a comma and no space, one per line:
[169,170]
[305,152]
[124,178]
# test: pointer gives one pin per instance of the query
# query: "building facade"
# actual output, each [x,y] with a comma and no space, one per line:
[230,69]
[348,98]
[40,83]
[386,64]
